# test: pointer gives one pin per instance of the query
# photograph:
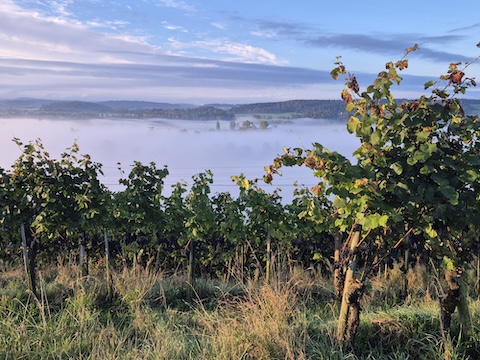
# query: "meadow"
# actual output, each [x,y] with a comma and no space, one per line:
[154,315]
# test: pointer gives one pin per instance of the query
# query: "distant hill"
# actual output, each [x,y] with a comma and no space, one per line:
[326,109]
[471,107]
[292,109]
[23,104]
[74,106]
[138,105]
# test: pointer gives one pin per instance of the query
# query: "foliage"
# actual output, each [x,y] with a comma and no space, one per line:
[136,211]
[417,164]
[53,198]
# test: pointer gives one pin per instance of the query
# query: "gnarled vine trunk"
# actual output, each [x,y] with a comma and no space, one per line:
[32,264]
[350,309]
[455,298]
[355,293]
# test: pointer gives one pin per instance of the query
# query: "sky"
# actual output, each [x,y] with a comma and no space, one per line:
[226,51]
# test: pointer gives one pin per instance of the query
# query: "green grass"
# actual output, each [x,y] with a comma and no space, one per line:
[157,317]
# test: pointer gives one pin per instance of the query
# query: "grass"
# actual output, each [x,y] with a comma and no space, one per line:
[153,316]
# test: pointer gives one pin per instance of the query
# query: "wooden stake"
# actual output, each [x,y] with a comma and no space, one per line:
[107,266]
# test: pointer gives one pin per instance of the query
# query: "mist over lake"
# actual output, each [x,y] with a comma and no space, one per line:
[187,147]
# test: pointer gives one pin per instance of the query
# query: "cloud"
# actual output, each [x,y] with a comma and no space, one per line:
[26,35]
[286,29]
[390,44]
[49,57]
[374,43]
[218,25]
[112,25]
[60,7]
[168,26]
[170,78]
[466,28]
[238,51]
[178,4]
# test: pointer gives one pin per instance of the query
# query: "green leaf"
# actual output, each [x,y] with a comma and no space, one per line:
[427,169]
[423,136]
[447,263]
[374,221]
[440,179]
[339,203]
[375,138]
[450,194]
[429,84]
[397,168]
[471,175]
[456,119]
[424,152]
[350,106]
[353,124]
[430,231]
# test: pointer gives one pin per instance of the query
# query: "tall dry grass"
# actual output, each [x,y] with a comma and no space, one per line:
[152,317]
[264,324]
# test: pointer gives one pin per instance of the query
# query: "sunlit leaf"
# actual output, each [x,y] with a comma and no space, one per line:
[397,168]
[350,106]
[423,136]
[430,231]
[375,138]
[447,263]
[353,124]
[429,84]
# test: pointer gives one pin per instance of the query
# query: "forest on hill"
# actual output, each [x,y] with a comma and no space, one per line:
[292,109]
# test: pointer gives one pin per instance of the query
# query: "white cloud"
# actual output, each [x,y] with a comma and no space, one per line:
[169,26]
[265,34]
[178,4]
[247,52]
[113,25]
[240,52]
[27,35]
[219,26]
[60,7]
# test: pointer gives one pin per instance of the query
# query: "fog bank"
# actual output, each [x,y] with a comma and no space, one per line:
[186,147]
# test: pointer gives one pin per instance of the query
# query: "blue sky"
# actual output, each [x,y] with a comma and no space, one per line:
[225,51]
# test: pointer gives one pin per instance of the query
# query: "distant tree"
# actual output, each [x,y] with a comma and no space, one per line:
[247,124]
[263,124]
[218,125]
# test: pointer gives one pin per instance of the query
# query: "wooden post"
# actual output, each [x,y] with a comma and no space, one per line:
[242,263]
[30,257]
[406,265]
[338,276]
[107,266]
[268,264]
[463,310]
[191,269]
[82,255]
[477,287]
[343,318]
[191,263]
[24,248]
